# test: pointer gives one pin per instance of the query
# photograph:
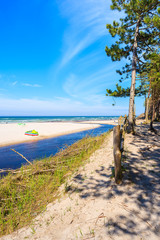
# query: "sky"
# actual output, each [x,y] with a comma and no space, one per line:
[53,60]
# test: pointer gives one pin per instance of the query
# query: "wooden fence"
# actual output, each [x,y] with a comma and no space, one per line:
[118,146]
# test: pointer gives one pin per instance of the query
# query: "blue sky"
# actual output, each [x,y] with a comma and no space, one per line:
[53,60]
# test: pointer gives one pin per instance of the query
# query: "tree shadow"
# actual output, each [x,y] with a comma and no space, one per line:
[139,201]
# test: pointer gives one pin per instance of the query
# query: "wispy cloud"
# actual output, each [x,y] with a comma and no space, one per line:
[86,24]
[14,83]
[31,85]
[70,85]
[56,107]
[94,84]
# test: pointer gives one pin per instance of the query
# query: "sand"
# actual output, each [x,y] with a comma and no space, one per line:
[96,208]
[109,122]
[13,133]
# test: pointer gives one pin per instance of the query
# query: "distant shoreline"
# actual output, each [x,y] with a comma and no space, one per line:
[41,119]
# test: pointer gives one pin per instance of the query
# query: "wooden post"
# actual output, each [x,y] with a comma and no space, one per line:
[117,153]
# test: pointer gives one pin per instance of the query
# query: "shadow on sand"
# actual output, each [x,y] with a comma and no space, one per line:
[138,196]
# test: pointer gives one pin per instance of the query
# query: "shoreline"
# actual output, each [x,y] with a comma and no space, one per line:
[12,133]
[38,138]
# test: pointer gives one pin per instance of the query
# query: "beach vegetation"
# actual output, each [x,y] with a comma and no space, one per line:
[25,192]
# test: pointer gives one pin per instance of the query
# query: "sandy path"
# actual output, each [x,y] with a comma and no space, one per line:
[96,208]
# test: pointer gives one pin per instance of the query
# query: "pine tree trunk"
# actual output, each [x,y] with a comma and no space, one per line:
[147,109]
[152,118]
[147,103]
[153,112]
[158,109]
[157,104]
[132,89]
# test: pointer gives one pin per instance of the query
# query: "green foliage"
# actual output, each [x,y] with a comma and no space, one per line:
[146,15]
[119,92]
[144,11]
[125,92]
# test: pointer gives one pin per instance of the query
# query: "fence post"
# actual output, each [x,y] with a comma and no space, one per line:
[117,153]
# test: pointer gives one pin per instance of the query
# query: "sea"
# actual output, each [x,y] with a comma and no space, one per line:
[24,119]
[37,150]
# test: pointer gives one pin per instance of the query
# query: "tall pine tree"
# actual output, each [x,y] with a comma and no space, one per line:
[138,34]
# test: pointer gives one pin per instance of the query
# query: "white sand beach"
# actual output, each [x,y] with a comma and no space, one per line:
[109,122]
[13,133]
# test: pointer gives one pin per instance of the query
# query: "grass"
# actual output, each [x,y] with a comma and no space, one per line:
[26,192]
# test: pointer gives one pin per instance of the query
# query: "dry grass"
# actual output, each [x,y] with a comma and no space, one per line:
[24,193]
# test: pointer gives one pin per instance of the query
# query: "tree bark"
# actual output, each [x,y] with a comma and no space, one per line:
[152,119]
[153,111]
[147,103]
[132,89]
[158,109]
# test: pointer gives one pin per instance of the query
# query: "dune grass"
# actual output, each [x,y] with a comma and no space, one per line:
[26,192]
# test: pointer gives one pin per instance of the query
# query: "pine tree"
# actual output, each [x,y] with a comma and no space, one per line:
[138,34]
[154,76]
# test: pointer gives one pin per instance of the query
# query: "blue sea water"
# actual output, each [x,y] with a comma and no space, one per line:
[46,147]
[24,119]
